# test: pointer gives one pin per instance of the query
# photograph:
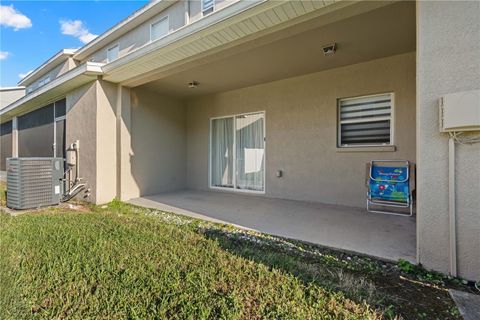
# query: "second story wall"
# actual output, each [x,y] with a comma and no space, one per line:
[140,36]
[179,13]
[51,75]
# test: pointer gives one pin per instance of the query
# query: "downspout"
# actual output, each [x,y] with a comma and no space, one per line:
[452,207]
[15,137]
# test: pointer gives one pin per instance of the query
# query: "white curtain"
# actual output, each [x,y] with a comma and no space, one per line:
[250,152]
[222,153]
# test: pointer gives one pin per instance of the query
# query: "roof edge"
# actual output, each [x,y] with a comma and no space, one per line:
[122,27]
[40,70]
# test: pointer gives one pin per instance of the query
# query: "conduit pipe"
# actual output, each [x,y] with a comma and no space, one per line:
[452,206]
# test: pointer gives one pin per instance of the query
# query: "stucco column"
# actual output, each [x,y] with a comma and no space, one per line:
[14,137]
[125,183]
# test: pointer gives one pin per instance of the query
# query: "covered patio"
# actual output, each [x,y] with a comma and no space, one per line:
[251,134]
[348,228]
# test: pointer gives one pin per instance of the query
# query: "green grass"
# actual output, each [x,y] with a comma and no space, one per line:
[126,262]
[2,193]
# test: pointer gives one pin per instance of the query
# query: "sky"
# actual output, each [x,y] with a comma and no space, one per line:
[33,31]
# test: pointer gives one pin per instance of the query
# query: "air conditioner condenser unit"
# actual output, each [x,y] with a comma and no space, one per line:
[34,182]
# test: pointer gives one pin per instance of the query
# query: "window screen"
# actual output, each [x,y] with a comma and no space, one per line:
[207,6]
[60,108]
[36,133]
[159,29]
[365,121]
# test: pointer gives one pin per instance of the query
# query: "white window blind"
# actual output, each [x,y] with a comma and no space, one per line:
[365,121]
[112,53]
[159,29]
[207,6]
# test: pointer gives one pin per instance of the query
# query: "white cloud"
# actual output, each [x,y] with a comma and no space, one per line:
[10,17]
[77,29]
[23,75]
[4,55]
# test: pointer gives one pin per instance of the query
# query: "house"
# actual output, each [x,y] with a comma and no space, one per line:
[255,97]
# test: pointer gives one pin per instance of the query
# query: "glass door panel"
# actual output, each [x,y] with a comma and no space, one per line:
[222,153]
[250,152]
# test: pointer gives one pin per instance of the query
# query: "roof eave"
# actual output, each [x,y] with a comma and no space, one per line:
[56,59]
[71,79]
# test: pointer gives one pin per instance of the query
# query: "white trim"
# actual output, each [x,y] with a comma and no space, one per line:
[88,68]
[110,48]
[359,146]
[234,178]
[165,17]
[12,88]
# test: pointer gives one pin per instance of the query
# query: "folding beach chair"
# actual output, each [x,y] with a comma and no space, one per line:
[390,186]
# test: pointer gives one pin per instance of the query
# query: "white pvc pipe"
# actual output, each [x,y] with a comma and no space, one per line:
[451,207]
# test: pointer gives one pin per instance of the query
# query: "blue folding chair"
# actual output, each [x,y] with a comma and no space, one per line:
[390,185]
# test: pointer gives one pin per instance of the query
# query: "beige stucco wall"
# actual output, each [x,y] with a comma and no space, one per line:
[81,125]
[91,119]
[106,185]
[158,146]
[448,35]
[301,129]
[7,96]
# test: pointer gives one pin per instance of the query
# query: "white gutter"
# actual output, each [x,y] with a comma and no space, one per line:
[59,57]
[88,69]
[12,88]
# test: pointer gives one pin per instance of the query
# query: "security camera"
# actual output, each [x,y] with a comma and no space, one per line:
[329,49]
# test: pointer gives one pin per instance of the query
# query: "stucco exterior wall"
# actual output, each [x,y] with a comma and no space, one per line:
[140,36]
[158,146]
[301,129]
[106,145]
[54,73]
[81,125]
[448,45]
[8,96]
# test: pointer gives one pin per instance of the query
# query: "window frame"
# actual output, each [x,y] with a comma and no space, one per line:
[165,17]
[110,48]
[234,178]
[370,145]
[203,9]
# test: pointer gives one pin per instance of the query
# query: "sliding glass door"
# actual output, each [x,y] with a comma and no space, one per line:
[237,157]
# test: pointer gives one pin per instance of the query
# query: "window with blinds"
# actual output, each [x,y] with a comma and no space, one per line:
[207,6]
[365,121]
[159,29]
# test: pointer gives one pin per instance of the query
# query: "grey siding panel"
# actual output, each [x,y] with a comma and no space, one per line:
[5,143]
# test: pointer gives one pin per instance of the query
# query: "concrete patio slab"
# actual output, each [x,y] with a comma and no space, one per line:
[467,303]
[354,229]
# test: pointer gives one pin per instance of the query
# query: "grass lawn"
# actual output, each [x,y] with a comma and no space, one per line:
[122,261]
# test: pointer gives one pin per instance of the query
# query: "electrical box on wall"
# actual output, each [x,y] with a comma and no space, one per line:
[460,111]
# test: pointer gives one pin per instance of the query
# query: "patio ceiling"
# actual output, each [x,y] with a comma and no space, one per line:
[377,33]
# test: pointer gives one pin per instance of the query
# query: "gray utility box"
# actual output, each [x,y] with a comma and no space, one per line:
[34,182]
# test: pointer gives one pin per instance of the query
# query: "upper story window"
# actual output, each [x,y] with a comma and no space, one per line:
[159,29]
[44,81]
[365,121]
[112,53]
[208,6]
